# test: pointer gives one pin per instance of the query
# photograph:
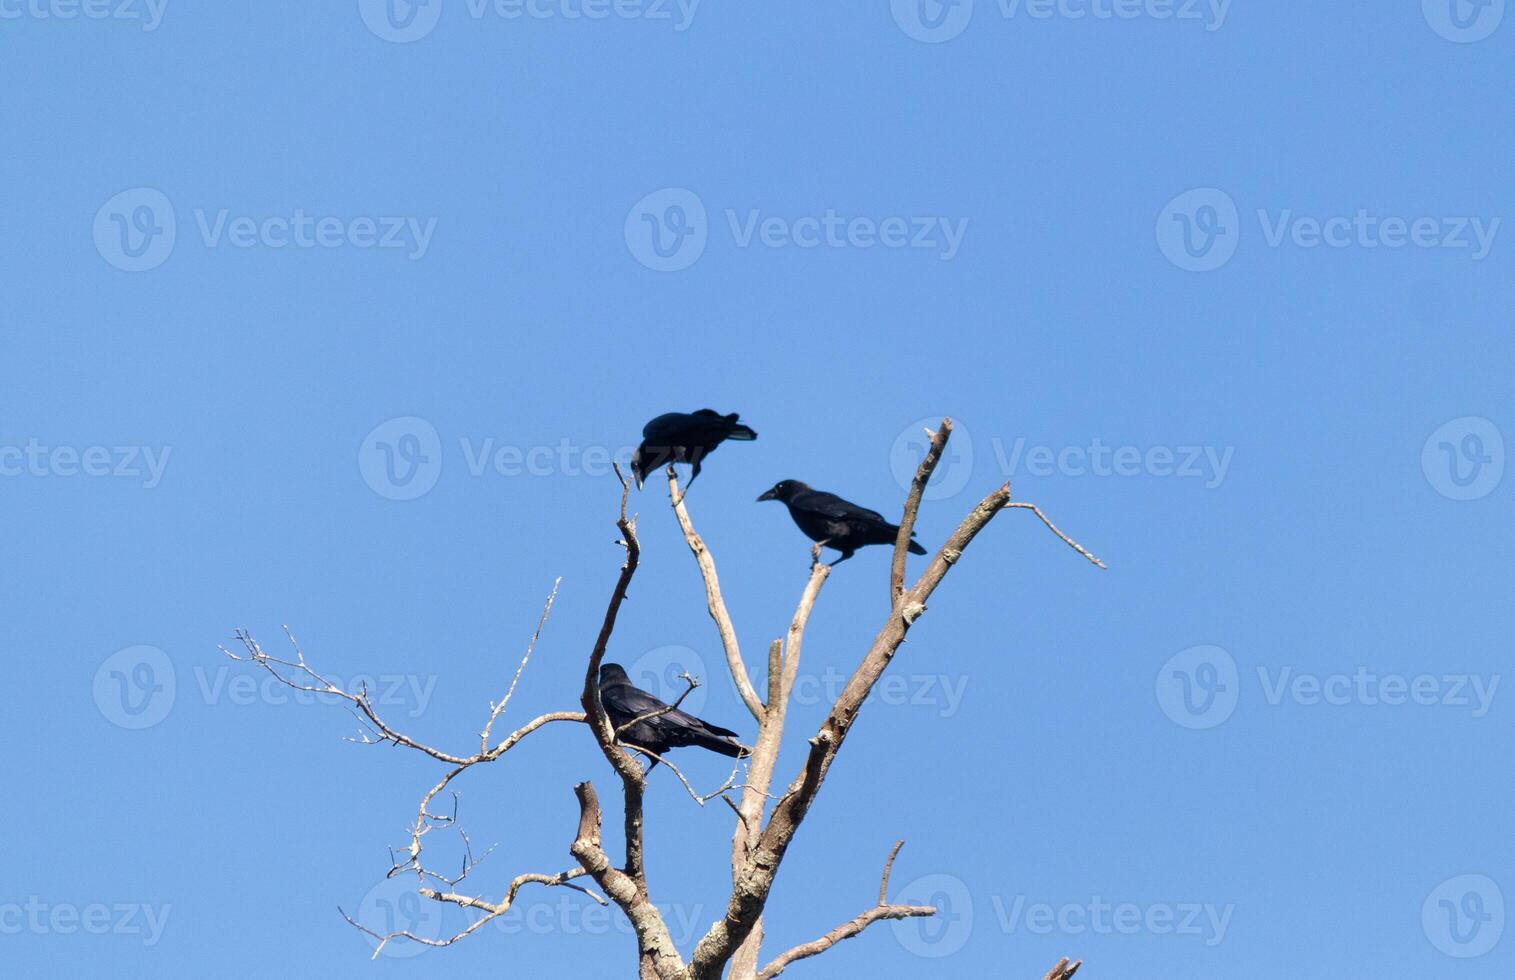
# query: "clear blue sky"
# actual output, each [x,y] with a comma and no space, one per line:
[1046,226]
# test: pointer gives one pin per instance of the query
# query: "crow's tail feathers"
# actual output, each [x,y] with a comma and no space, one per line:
[916,549]
[740,432]
[725,745]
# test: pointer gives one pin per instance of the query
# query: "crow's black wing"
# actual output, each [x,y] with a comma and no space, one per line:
[834,507]
[667,429]
[632,702]
[628,701]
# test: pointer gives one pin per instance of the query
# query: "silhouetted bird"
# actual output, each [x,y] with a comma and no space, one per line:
[834,522]
[680,438]
[672,729]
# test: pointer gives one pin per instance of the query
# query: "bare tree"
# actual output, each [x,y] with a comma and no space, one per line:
[766,824]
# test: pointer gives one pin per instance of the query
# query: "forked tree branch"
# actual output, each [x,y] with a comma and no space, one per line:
[299,675]
[491,910]
[853,926]
[627,887]
[754,879]
[783,668]
[658,958]
[758,847]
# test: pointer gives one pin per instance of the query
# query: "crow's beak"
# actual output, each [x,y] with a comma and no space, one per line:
[769,495]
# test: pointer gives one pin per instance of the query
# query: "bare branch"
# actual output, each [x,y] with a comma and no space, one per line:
[883,885]
[701,799]
[714,600]
[599,721]
[852,926]
[755,878]
[658,957]
[500,708]
[320,685]
[913,505]
[1063,970]
[491,910]
[1053,528]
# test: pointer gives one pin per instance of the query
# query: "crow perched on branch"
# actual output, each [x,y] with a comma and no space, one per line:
[834,522]
[672,729]
[680,438]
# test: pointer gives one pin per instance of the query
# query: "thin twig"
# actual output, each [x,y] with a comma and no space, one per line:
[500,708]
[882,910]
[1053,528]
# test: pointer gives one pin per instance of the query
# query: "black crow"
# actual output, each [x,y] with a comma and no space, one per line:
[672,729]
[680,438]
[834,522]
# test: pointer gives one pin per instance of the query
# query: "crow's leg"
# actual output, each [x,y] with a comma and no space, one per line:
[845,556]
[693,475]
